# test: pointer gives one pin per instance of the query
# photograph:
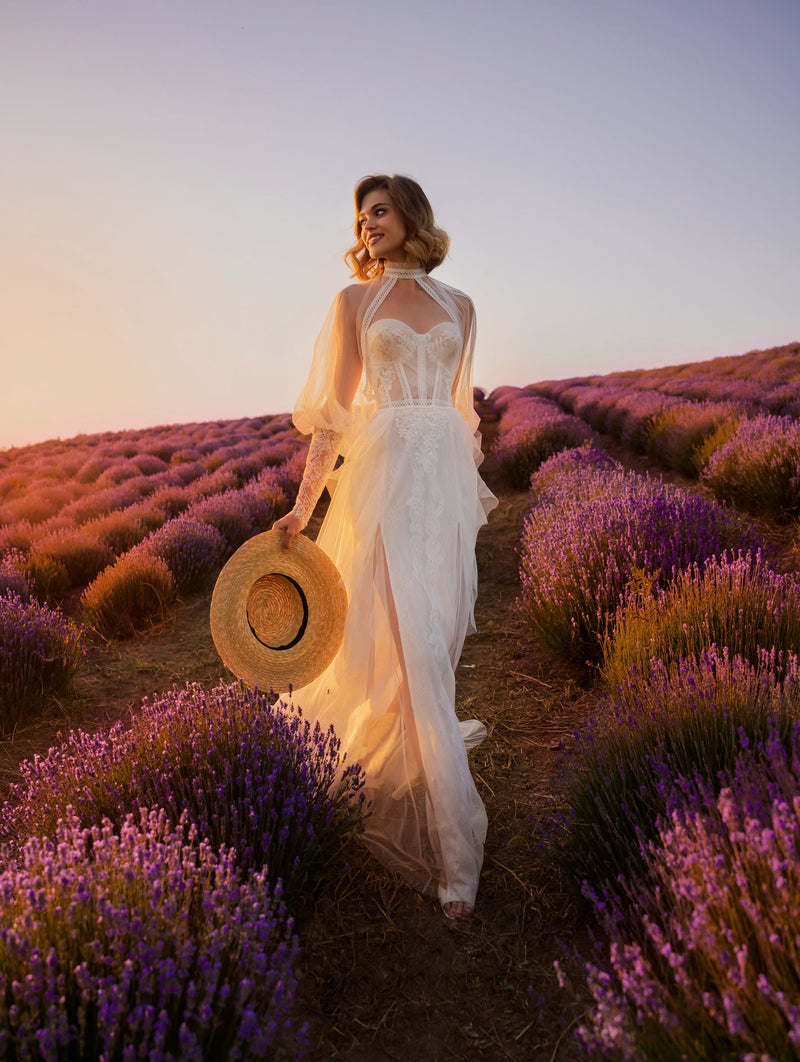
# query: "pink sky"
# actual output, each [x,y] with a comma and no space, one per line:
[619,181]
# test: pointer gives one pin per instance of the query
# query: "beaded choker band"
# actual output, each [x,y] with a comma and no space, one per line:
[403,272]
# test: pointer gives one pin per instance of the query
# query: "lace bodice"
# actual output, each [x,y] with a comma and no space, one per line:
[406,368]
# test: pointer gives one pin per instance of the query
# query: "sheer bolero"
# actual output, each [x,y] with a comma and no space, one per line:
[338,396]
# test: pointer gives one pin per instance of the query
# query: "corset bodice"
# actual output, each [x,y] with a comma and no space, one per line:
[407,368]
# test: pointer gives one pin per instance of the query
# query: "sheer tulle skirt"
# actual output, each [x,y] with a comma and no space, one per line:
[406,507]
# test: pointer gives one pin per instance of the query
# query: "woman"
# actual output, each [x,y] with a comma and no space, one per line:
[390,389]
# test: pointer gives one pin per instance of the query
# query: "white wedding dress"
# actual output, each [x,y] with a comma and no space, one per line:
[406,506]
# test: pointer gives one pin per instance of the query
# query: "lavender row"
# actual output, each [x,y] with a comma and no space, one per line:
[142,943]
[76,476]
[741,436]
[252,775]
[530,430]
[753,462]
[596,532]
[164,933]
[684,790]
[762,381]
[679,434]
[702,948]
[59,556]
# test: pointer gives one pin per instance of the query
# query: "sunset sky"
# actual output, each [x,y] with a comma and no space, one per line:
[619,179]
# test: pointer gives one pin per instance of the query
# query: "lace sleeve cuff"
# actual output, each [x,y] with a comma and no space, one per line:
[321,458]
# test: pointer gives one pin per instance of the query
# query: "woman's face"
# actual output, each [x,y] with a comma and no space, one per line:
[382,227]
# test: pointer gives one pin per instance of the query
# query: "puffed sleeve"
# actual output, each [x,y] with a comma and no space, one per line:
[463,397]
[327,397]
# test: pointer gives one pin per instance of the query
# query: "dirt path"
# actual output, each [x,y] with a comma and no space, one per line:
[385,976]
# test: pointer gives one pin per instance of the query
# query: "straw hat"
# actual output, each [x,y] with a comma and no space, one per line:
[277,618]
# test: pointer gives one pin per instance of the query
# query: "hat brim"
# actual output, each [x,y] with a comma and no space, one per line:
[319,602]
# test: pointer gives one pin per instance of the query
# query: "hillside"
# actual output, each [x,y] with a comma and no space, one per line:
[431,972]
[767,380]
[383,976]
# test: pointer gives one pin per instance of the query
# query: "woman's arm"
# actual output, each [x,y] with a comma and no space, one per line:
[463,374]
[324,449]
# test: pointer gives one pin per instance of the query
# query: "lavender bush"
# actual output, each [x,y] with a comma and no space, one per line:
[271,485]
[633,415]
[230,513]
[290,472]
[530,430]
[80,552]
[758,468]
[35,506]
[193,551]
[119,531]
[40,650]
[678,434]
[592,533]
[13,577]
[252,776]
[577,459]
[142,943]
[18,535]
[149,464]
[693,718]
[101,501]
[48,577]
[129,595]
[703,964]
[593,404]
[736,601]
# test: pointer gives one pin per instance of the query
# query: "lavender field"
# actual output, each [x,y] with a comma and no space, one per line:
[186,882]
[153,870]
[682,819]
[731,421]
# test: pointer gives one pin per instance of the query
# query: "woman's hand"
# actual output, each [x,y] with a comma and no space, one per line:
[291,525]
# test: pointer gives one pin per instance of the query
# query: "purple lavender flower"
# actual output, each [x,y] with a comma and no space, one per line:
[530,430]
[252,776]
[40,650]
[758,468]
[594,533]
[707,948]
[13,577]
[142,942]
[738,602]
[193,551]
[689,720]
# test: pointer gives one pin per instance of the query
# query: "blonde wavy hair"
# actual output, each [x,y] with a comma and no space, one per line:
[425,242]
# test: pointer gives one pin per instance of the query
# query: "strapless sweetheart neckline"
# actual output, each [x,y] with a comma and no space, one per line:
[396,320]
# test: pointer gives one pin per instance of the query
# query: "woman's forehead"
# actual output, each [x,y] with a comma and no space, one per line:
[377,197]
